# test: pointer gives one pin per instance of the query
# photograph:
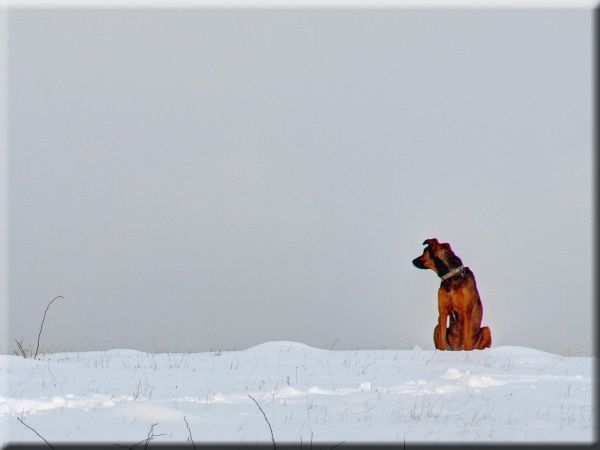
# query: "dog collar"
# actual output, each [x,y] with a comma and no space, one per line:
[453,272]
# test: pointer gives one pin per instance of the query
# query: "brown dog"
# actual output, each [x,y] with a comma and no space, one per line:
[458,300]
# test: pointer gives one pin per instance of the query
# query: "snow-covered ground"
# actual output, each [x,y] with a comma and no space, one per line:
[501,394]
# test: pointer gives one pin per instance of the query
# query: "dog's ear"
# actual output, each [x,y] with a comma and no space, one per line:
[432,241]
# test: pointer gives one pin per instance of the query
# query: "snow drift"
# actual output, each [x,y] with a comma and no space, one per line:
[502,394]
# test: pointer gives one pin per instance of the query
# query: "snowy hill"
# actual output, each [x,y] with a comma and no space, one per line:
[500,394]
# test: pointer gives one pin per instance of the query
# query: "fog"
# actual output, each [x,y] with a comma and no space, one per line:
[212,179]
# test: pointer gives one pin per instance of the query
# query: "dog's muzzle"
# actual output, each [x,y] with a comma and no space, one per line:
[418,263]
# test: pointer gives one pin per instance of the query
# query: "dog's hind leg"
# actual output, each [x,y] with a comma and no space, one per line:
[483,339]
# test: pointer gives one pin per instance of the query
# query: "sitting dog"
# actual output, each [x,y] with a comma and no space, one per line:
[458,300]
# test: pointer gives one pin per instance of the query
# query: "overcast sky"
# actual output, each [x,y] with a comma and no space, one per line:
[193,180]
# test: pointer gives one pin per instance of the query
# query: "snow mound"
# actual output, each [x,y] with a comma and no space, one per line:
[281,346]
[514,350]
[454,374]
[308,394]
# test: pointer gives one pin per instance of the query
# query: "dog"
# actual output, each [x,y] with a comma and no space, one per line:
[458,300]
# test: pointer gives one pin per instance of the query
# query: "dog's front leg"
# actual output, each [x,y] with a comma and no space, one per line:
[442,321]
[439,334]
[467,331]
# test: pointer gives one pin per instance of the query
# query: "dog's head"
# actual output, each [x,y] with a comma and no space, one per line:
[438,257]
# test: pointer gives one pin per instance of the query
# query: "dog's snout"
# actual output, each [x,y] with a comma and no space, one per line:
[418,263]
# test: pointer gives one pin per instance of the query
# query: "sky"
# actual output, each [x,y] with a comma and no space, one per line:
[212,179]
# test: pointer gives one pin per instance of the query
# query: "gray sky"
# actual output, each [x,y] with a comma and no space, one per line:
[202,179]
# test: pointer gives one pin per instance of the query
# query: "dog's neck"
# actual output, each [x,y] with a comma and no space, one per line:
[453,272]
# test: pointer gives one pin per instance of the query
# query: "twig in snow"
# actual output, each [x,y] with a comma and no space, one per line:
[44,318]
[42,437]
[146,441]
[151,435]
[267,420]
[189,432]
[404,444]
[337,445]
[20,350]
[130,447]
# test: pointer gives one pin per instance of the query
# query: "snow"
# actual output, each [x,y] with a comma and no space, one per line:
[502,394]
